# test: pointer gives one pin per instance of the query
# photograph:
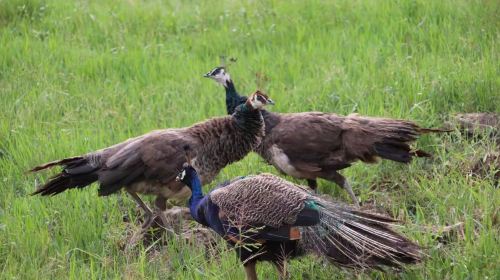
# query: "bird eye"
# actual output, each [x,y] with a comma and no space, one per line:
[217,71]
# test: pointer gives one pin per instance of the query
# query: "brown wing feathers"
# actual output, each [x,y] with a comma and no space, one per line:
[115,167]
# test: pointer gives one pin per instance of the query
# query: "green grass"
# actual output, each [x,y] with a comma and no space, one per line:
[78,76]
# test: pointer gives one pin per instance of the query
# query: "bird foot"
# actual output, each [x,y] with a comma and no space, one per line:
[151,221]
[356,204]
[138,235]
[348,188]
[148,221]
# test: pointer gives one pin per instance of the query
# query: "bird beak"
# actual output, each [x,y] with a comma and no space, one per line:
[270,101]
[207,75]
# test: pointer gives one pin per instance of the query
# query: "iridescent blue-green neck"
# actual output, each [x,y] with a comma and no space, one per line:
[196,195]
[233,99]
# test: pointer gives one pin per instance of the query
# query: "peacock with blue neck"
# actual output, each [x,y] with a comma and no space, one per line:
[200,207]
[264,217]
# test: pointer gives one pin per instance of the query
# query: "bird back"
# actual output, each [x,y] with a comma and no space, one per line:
[260,200]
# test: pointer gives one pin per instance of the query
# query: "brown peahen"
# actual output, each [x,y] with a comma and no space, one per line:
[149,163]
[313,145]
[269,219]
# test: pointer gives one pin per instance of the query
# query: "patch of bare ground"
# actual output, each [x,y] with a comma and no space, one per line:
[487,167]
[477,124]
[448,233]
[180,228]
[484,131]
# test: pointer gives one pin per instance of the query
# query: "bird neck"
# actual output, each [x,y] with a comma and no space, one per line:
[248,119]
[196,195]
[232,97]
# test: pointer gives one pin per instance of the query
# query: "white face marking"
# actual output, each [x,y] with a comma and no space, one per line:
[183,174]
[220,77]
[256,103]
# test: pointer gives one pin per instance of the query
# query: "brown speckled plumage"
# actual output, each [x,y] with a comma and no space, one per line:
[268,200]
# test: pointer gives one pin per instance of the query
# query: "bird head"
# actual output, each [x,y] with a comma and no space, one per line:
[258,100]
[187,174]
[219,75]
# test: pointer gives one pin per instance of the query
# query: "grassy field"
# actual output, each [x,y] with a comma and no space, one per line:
[76,76]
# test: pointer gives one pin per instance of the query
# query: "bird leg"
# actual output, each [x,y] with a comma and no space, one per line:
[250,271]
[148,219]
[148,214]
[313,184]
[342,182]
[160,207]
[348,188]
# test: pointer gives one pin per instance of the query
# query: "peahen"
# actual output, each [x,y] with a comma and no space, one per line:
[149,163]
[313,145]
[269,219]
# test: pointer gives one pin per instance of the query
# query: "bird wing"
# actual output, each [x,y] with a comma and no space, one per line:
[157,155]
[260,200]
[314,141]
[310,140]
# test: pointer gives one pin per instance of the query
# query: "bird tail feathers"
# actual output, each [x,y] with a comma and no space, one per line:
[77,173]
[56,163]
[358,239]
